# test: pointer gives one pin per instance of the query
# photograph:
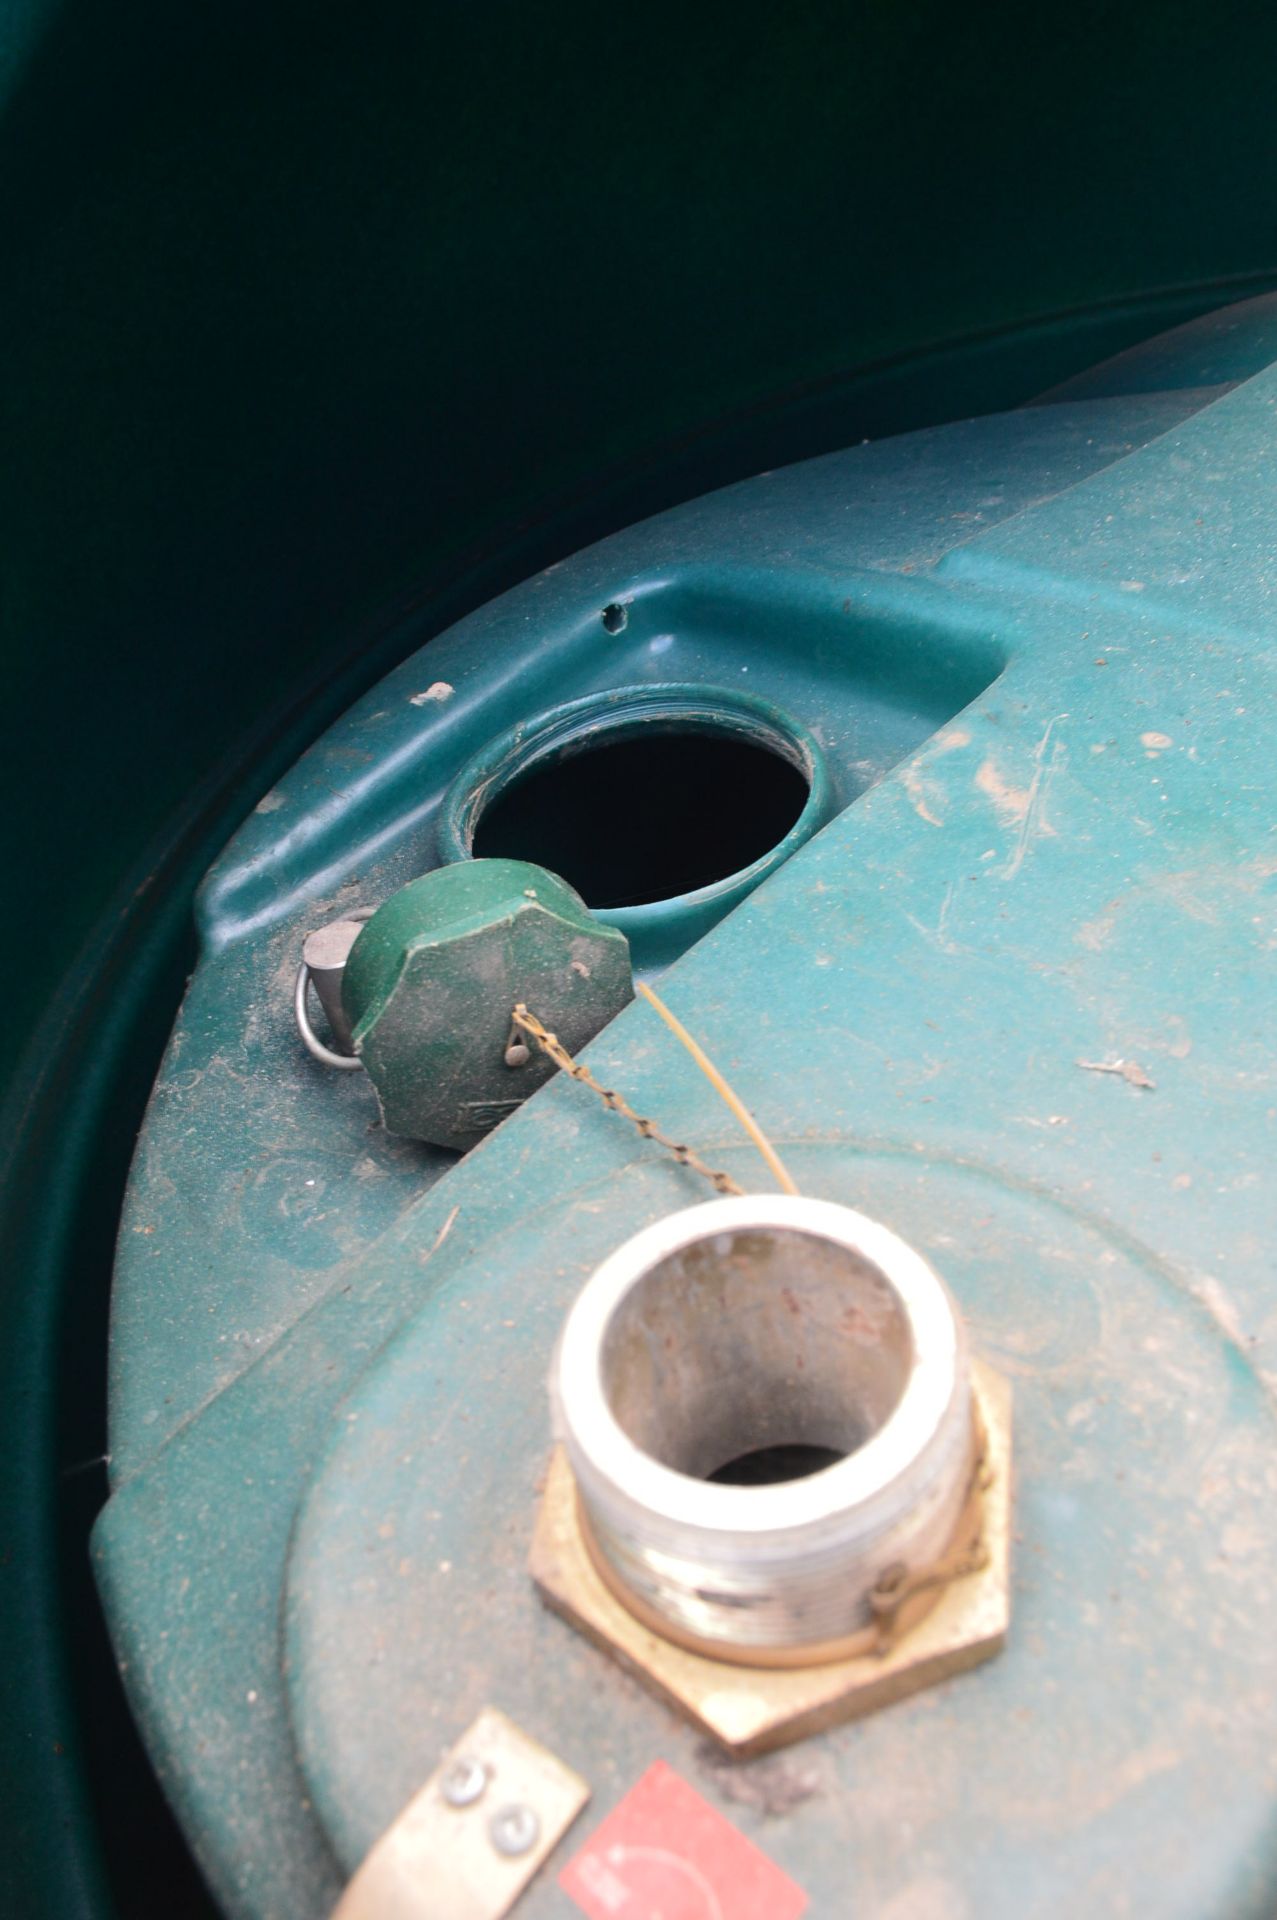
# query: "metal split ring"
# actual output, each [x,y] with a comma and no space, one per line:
[314,1046]
[323,964]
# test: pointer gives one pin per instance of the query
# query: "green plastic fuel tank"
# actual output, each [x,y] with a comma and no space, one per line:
[1007,995]
[321,330]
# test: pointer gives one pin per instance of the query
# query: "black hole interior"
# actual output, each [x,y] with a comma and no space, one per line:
[766,1466]
[646,814]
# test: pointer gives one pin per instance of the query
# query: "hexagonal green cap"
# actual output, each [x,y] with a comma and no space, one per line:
[432,981]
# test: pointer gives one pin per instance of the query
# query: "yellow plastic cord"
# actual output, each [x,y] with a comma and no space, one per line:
[780,1172]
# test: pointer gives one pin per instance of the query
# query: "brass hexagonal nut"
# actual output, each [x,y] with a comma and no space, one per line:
[750,1709]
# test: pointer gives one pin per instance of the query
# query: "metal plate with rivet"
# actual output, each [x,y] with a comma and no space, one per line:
[468,1843]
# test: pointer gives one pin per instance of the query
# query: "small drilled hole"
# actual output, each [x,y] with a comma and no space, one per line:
[614,617]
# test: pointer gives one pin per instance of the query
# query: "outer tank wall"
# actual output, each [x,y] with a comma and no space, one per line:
[321,326]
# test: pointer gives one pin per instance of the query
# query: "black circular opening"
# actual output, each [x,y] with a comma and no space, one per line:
[646,815]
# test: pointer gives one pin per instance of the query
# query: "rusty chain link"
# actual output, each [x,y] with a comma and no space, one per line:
[550,1045]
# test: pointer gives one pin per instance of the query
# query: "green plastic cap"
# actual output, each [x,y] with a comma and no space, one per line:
[433,979]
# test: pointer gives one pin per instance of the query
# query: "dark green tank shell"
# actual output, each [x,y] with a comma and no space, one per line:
[322,325]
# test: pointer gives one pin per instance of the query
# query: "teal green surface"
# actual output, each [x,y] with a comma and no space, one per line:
[870,668]
[319,328]
[1036,652]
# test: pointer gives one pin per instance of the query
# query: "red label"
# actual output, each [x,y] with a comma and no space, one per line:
[666,1854]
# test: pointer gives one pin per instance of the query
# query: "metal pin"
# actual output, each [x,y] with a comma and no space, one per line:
[514,1829]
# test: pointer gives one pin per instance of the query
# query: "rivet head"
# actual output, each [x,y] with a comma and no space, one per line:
[464,1781]
[514,1829]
